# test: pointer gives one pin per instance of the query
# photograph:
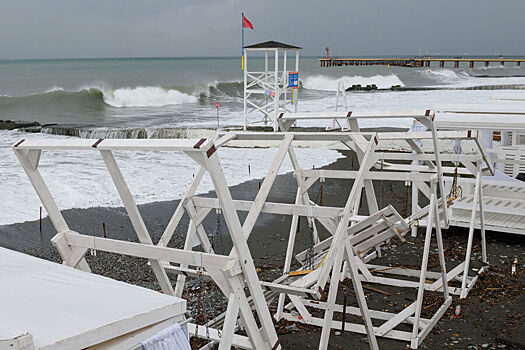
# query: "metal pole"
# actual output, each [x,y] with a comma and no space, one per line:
[344,313]
[267,82]
[245,107]
[276,91]
[242,41]
[296,94]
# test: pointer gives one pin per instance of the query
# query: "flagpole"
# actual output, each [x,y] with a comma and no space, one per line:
[242,45]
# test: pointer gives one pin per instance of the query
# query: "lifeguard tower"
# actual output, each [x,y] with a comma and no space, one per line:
[269,92]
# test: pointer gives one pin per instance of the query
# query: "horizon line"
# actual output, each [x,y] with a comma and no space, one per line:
[208,57]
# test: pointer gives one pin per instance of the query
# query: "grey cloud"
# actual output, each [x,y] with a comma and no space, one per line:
[124,28]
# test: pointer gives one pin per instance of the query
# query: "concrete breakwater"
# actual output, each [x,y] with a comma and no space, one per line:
[91,132]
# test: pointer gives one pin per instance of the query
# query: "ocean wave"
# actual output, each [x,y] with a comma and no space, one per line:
[445,75]
[324,83]
[223,89]
[97,96]
[52,89]
[145,172]
[146,96]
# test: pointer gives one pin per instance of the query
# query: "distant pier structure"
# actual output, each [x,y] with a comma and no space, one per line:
[420,62]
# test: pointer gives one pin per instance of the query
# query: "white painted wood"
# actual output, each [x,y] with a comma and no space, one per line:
[420,292]
[340,234]
[305,198]
[289,254]
[344,136]
[148,251]
[273,208]
[241,249]
[188,245]
[135,217]
[396,320]
[332,294]
[416,342]
[230,320]
[353,327]
[238,341]
[437,153]
[439,239]
[365,233]
[175,219]
[186,145]
[201,233]
[482,224]
[361,298]
[266,186]
[471,232]
[49,204]
[256,337]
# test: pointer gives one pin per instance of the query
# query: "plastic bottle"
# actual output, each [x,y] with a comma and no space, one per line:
[514,267]
[458,310]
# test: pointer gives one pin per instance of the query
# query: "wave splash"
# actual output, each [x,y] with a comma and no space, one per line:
[146,96]
[446,75]
[324,83]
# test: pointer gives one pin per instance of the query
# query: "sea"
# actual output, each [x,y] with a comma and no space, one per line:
[166,97]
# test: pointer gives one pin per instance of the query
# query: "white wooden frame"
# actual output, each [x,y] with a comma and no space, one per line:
[231,274]
[340,94]
[506,209]
[429,172]
[341,261]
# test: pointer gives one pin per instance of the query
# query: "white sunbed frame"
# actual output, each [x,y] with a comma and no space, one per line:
[226,271]
[230,273]
[504,200]
[432,172]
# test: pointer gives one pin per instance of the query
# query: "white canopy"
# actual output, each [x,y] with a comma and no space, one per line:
[64,308]
[507,117]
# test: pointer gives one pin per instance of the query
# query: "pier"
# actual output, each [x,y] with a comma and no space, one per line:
[419,62]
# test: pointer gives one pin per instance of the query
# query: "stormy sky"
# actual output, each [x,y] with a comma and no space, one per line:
[182,28]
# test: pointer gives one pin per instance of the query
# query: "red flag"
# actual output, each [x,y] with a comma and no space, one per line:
[246,23]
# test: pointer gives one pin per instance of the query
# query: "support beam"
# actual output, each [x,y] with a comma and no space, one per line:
[135,218]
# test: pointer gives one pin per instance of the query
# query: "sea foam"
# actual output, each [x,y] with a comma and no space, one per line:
[444,75]
[145,96]
[325,83]
[79,179]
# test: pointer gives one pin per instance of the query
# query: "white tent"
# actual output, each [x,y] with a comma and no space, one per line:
[45,305]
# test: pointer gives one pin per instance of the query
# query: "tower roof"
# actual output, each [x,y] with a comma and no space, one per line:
[273,45]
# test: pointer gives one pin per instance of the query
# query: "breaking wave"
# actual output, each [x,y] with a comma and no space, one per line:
[146,96]
[96,97]
[445,75]
[324,83]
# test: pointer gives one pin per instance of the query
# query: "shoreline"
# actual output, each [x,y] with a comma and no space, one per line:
[485,317]
[144,132]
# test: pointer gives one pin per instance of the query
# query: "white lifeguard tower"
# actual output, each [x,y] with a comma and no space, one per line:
[270,92]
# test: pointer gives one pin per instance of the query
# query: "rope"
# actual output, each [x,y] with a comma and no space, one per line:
[198,313]
[216,234]
[455,190]
[309,261]
[305,272]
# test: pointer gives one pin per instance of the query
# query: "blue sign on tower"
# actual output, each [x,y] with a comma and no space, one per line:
[293,80]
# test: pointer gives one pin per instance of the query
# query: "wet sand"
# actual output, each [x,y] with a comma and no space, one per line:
[491,316]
